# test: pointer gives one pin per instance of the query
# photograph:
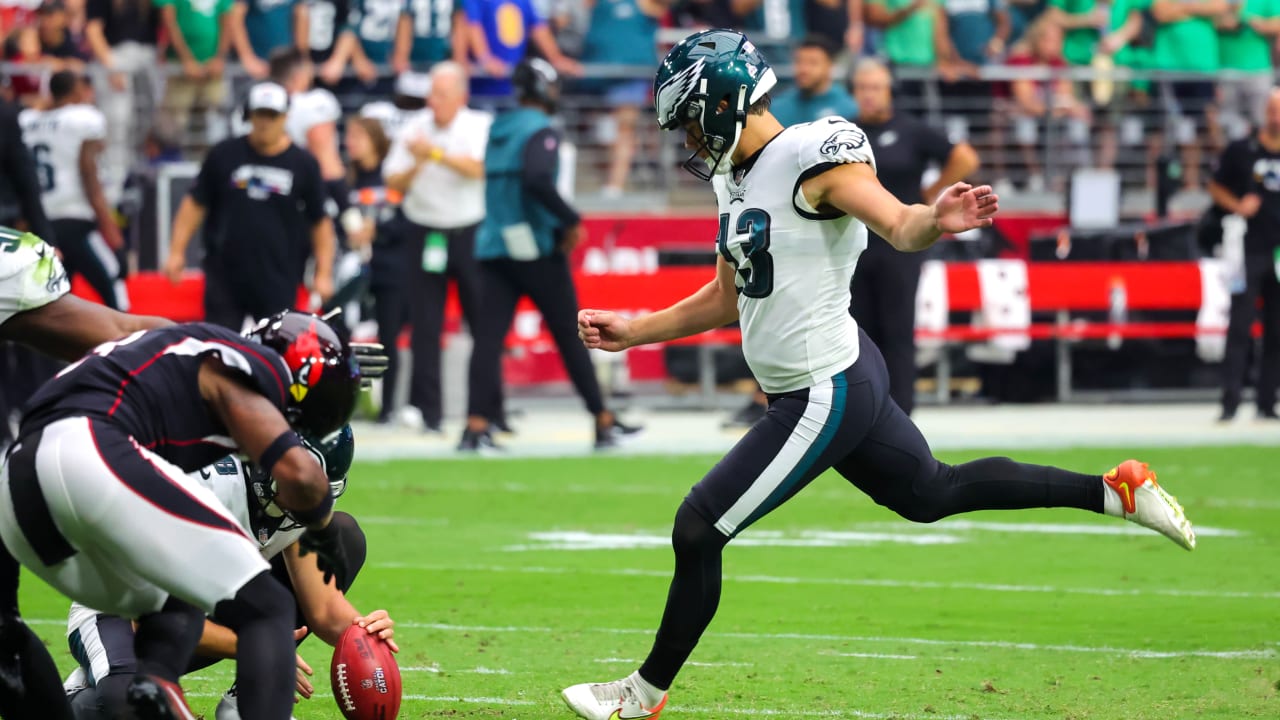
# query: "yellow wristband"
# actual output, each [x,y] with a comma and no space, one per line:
[436,154]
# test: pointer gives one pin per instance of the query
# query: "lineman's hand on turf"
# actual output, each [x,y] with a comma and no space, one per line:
[604,330]
[965,207]
[379,623]
[331,556]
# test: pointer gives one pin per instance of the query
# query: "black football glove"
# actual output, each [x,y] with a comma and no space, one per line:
[331,555]
[372,360]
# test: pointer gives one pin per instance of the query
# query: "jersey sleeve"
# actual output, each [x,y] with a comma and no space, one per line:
[31,275]
[90,123]
[327,108]
[261,367]
[828,143]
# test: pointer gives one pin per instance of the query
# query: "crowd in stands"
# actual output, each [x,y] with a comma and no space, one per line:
[360,46]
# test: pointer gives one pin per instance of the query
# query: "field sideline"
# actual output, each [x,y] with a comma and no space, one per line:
[511,579]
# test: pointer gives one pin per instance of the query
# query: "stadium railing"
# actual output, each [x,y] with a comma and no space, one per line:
[983,115]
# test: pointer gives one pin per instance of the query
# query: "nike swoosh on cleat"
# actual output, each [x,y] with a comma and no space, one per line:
[617,714]
[1127,498]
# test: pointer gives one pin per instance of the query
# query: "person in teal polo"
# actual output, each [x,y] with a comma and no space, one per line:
[523,245]
[814,95]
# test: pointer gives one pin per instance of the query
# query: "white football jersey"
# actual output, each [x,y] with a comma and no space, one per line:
[55,137]
[389,116]
[308,109]
[794,264]
[30,273]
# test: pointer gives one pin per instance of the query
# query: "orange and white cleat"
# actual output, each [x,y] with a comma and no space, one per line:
[1133,494]
[617,700]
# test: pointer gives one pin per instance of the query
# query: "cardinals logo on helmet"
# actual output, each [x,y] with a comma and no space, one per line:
[305,358]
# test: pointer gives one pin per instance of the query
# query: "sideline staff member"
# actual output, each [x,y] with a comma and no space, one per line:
[261,201]
[437,161]
[885,281]
[1247,183]
[527,230]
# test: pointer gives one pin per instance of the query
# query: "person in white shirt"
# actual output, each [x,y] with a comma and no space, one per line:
[65,142]
[437,161]
[410,99]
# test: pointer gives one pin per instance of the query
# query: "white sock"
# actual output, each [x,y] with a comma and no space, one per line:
[649,695]
[1111,504]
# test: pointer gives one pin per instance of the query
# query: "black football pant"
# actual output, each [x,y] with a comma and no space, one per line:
[427,293]
[884,304]
[1260,283]
[851,424]
[80,257]
[549,284]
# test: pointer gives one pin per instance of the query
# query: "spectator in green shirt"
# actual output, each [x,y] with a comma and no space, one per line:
[915,37]
[1187,41]
[1080,21]
[1127,43]
[1247,34]
[199,38]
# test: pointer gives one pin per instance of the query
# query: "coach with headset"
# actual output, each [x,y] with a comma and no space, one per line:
[522,246]
[260,203]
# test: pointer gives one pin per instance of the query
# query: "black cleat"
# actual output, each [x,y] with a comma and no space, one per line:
[155,699]
[749,415]
[616,434]
[478,442]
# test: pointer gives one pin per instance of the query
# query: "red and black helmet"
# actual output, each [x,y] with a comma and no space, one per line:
[326,376]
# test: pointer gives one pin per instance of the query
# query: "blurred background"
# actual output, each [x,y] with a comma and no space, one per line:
[1108,275]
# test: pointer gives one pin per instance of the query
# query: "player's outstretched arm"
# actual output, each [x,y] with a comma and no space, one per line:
[854,190]
[326,609]
[714,305]
[70,326]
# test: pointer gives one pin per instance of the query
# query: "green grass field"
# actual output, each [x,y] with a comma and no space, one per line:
[513,579]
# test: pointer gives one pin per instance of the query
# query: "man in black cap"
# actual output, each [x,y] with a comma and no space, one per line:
[260,203]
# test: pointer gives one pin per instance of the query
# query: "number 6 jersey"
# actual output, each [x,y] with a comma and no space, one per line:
[793,262]
[55,138]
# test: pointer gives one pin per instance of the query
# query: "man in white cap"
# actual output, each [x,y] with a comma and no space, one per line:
[437,161]
[259,202]
[410,98]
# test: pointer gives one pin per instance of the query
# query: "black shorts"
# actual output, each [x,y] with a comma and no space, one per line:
[1191,98]
[848,422]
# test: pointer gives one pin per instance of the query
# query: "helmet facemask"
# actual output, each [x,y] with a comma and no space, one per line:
[718,148]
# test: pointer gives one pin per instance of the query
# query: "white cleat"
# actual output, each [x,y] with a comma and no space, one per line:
[229,707]
[617,700]
[1133,494]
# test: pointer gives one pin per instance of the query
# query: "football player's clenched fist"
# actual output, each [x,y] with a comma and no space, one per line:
[604,330]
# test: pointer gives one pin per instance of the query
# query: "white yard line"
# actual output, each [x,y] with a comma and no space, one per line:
[692,710]
[932,642]
[852,582]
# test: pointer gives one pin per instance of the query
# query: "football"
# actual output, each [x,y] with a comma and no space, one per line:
[365,677]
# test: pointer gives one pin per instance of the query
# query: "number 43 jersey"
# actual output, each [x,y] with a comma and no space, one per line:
[55,137]
[793,262]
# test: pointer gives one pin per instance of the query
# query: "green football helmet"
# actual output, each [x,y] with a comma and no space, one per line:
[699,73]
[335,454]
